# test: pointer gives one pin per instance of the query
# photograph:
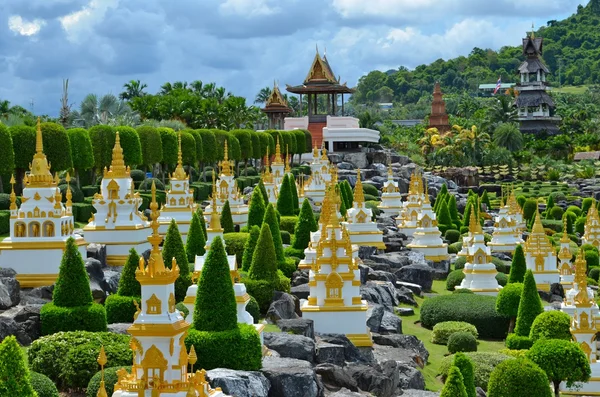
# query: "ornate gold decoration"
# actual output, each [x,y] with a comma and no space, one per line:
[39,175]
[277,159]
[69,194]
[319,71]
[153,305]
[179,173]
[474,225]
[192,358]
[13,196]
[215,217]
[225,165]
[582,299]
[287,160]
[324,152]
[171,303]
[117,165]
[537,243]
[359,194]
[102,361]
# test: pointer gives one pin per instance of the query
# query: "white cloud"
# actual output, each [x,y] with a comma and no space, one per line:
[248,7]
[18,25]
[80,23]
[357,8]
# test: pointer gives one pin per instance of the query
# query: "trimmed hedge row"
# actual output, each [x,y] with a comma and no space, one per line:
[82,212]
[120,309]
[77,318]
[442,331]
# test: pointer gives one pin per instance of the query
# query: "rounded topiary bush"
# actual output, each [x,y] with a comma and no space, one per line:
[594,273]
[459,263]
[253,309]
[147,184]
[120,309]
[43,386]
[462,342]
[286,238]
[370,189]
[473,309]
[452,235]
[138,176]
[516,342]
[552,324]
[592,259]
[442,331]
[500,265]
[529,209]
[454,279]
[574,209]
[556,213]
[110,380]
[463,291]
[502,279]
[518,378]
[483,365]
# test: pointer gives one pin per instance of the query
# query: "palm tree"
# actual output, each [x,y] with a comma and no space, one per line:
[133,89]
[5,109]
[105,110]
[509,136]
[263,95]
[503,111]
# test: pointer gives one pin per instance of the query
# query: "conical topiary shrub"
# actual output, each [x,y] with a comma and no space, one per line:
[120,307]
[128,284]
[306,224]
[15,379]
[453,209]
[264,260]
[249,247]
[196,240]
[226,219]
[73,284]
[294,190]
[465,366]
[444,219]
[518,266]
[454,386]
[285,205]
[173,248]
[349,193]
[261,187]
[215,308]
[530,306]
[485,199]
[273,222]
[256,209]
[202,221]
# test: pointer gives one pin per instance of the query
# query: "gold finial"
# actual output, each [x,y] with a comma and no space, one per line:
[390,171]
[13,196]
[359,194]
[287,160]
[156,265]
[565,237]
[277,159]
[532,30]
[315,152]
[39,143]
[538,228]
[40,175]
[69,195]
[215,217]
[117,164]
[102,361]
[192,358]
[323,152]
[225,164]
[426,192]
[179,173]
[474,225]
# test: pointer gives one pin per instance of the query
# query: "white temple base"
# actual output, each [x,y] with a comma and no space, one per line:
[365,234]
[543,280]
[435,253]
[348,320]
[37,263]
[482,280]
[119,241]
[590,388]
[508,246]
[391,204]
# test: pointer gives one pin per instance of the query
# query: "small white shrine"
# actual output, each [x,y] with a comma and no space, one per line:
[314,188]
[564,259]
[278,166]
[408,218]
[480,272]
[180,203]
[40,228]
[269,182]
[579,303]
[540,256]
[516,212]
[391,198]
[592,227]
[117,223]
[427,237]
[335,304]
[362,230]
[158,332]
[506,235]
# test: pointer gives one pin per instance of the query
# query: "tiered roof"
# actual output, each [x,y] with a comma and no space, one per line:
[276,103]
[320,79]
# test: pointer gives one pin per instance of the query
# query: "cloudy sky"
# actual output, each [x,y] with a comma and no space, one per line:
[242,45]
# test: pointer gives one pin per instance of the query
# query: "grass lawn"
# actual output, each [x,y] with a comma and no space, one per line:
[437,352]
[569,89]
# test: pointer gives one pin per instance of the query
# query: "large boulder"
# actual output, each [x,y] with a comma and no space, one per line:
[300,291]
[103,281]
[239,383]
[410,377]
[9,292]
[419,393]
[345,166]
[23,322]
[298,326]
[372,379]
[283,307]
[379,275]
[415,349]
[343,392]
[381,321]
[358,159]
[335,378]
[330,353]
[290,377]
[420,274]
[119,328]
[352,354]
[98,252]
[291,346]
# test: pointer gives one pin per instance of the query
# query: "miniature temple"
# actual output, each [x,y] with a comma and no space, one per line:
[276,108]
[564,258]
[391,198]
[516,212]
[40,228]
[361,229]
[180,203]
[339,133]
[480,272]
[506,235]
[427,236]
[579,303]
[438,118]
[117,223]
[314,187]
[535,106]
[278,166]
[407,220]
[540,256]
[158,332]
[335,304]
[591,233]
[269,182]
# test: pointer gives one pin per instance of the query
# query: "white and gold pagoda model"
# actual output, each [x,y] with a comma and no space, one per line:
[391,198]
[480,272]
[592,227]
[40,228]
[579,303]
[362,230]
[506,235]
[180,203]
[564,259]
[427,237]
[228,190]
[278,166]
[321,174]
[335,304]
[158,332]
[411,208]
[117,223]
[540,256]
[516,212]
[269,182]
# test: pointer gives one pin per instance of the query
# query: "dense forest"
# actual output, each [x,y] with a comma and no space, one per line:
[571,45]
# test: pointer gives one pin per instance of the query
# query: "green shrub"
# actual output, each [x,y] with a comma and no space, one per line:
[285,199]
[580,225]
[306,224]
[183,309]
[110,380]
[463,291]
[558,196]
[530,306]
[454,386]
[459,263]
[589,247]
[452,249]
[502,279]
[525,190]
[594,273]
[128,284]
[529,210]
[4,222]
[264,262]
[586,204]
[147,184]
[73,284]
[288,224]
[249,247]
[16,380]
[370,198]
[500,265]
[521,200]
[465,365]
[592,259]
[226,219]
[42,385]
[454,279]
[285,237]
[452,235]
[518,378]
[253,309]
[370,189]
[82,212]
[514,353]
[556,213]
[483,365]
[373,205]
[69,358]
[89,191]
[196,240]
[592,282]
[507,302]
[262,291]
[518,266]
[462,342]
[293,252]
[442,331]
[516,342]
[55,319]
[173,248]
[455,246]
[235,243]
[273,222]
[473,309]
[120,309]
[288,267]
[237,349]
[552,324]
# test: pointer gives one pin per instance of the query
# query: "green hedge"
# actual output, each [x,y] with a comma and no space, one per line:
[78,318]
[288,267]
[43,386]
[110,380]
[237,349]
[473,309]
[483,365]
[286,238]
[263,291]
[161,199]
[234,244]
[454,279]
[89,191]
[442,331]
[4,222]
[253,309]
[69,358]
[462,342]
[202,190]
[288,223]
[516,342]
[82,212]
[370,189]
[293,252]
[120,309]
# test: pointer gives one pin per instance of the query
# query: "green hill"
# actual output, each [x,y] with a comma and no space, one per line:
[574,42]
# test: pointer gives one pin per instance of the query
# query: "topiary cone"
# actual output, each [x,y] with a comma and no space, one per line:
[256,210]
[454,386]
[226,219]
[73,284]
[128,284]
[530,306]
[15,379]
[264,260]
[196,240]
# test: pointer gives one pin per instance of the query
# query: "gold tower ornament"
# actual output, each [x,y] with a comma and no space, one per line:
[117,164]
[40,175]
[179,173]
[102,361]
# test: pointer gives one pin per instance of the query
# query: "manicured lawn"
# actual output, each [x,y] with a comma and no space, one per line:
[437,352]
[569,89]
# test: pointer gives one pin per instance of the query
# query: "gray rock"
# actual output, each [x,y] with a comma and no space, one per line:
[298,326]
[377,292]
[351,352]
[283,307]
[345,166]
[7,272]
[371,379]
[419,393]
[291,346]
[98,252]
[334,377]
[300,277]
[9,326]
[405,295]
[410,377]
[378,275]
[364,273]
[480,392]
[290,377]
[25,320]
[395,260]
[415,288]
[9,292]
[335,157]
[343,392]
[119,328]
[441,269]
[330,353]
[300,291]
[239,383]
[411,343]
[98,293]
[405,311]
[382,321]
[359,160]
[417,274]
[365,252]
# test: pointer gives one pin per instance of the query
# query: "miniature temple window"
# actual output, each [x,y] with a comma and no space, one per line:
[539,263]
[48,229]
[153,305]
[333,285]
[34,229]
[20,229]
[154,363]
[172,201]
[113,190]
[361,217]
[584,322]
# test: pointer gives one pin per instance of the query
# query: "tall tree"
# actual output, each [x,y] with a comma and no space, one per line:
[133,89]
[7,164]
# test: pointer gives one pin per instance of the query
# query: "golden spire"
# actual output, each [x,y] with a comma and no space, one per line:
[225,165]
[267,177]
[215,217]
[40,175]
[332,216]
[565,237]
[179,173]
[323,152]
[474,225]
[390,171]
[277,159]
[532,31]
[192,358]
[315,152]
[538,228]
[582,299]
[13,196]
[287,160]
[102,361]
[359,194]
[69,195]
[117,165]
[426,192]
